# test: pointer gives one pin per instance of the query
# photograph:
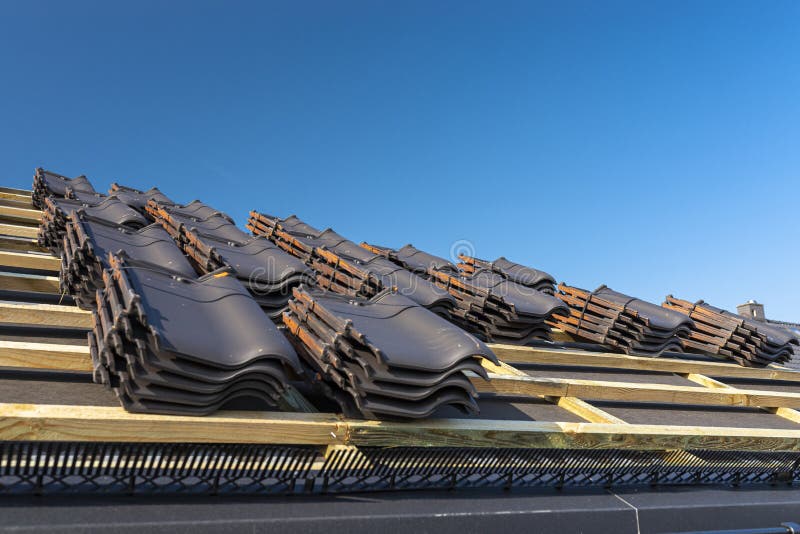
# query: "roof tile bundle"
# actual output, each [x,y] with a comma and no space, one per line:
[58,211]
[413,259]
[743,340]
[514,272]
[622,322]
[164,339]
[138,199]
[196,216]
[169,344]
[88,242]
[488,304]
[207,236]
[294,236]
[386,356]
[48,183]
[344,267]
[498,309]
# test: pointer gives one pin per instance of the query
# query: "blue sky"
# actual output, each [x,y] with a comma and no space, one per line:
[650,146]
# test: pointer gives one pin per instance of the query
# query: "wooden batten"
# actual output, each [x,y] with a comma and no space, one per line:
[16,191]
[16,203]
[529,355]
[18,214]
[537,434]
[47,315]
[29,260]
[16,195]
[25,422]
[35,283]
[558,335]
[17,243]
[634,392]
[19,354]
[584,410]
[18,230]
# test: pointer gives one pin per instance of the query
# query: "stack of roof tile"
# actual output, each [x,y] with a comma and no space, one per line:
[295,236]
[58,196]
[212,241]
[519,274]
[50,184]
[88,242]
[165,343]
[621,322]
[743,340]
[413,259]
[196,216]
[386,356]
[58,211]
[343,276]
[345,268]
[489,304]
[138,199]
[498,309]
[164,340]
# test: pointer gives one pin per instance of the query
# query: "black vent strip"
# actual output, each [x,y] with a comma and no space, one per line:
[54,467]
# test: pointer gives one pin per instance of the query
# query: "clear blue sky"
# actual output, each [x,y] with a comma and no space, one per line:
[651,146]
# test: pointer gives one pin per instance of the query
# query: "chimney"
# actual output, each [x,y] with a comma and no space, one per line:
[752,309]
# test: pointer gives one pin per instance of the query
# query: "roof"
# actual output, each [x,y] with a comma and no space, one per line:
[544,403]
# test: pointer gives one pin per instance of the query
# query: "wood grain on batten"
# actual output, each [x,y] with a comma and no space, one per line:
[49,315]
[529,355]
[25,244]
[539,434]
[24,422]
[19,354]
[16,202]
[29,282]
[16,191]
[17,230]
[633,392]
[16,195]
[29,260]
[25,215]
